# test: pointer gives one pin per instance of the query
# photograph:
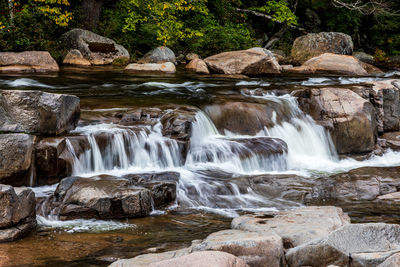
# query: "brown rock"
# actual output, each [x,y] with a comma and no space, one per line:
[28,61]
[254,61]
[167,67]
[74,57]
[198,66]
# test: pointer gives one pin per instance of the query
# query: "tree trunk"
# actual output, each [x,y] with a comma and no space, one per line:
[91,13]
[11,10]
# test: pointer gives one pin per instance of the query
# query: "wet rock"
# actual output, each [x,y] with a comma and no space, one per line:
[38,112]
[364,57]
[28,61]
[16,158]
[98,50]
[349,118]
[315,44]
[351,245]
[392,261]
[159,55]
[254,249]
[243,117]
[75,57]
[167,67]
[254,61]
[333,64]
[106,197]
[392,140]
[177,123]
[296,226]
[198,66]
[54,158]
[148,259]
[17,210]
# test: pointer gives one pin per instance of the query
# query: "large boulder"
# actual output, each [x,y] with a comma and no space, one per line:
[352,245]
[181,258]
[349,118]
[254,61]
[244,117]
[28,61]
[333,64]
[158,55]
[108,197]
[75,57]
[16,159]
[296,226]
[198,66]
[38,112]
[167,67]
[315,44]
[17,210]
[392,261]
[98,50]
[255,249]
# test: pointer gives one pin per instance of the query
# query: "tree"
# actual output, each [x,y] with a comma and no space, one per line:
[370,7]
[91,12]
[165,15]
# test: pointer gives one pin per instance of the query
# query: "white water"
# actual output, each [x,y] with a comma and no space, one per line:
[214,159]
[24,82]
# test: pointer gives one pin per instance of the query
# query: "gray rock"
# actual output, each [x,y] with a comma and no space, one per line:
[254,61]
[315,44]
[392,261]
[159,55]
[17,212]
[38,112]
[98,50]
[354,245]
[16,159]
[255,249]
[28,61]
[364,57]
[296,226]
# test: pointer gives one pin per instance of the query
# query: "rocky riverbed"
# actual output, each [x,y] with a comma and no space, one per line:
[100,164]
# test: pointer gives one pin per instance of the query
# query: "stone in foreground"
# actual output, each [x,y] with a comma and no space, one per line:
[75,58]
[38,112]
[16,159]
[28,61]
[151,67]
[254,61]
[17,212]
[159,55]
[296,226]
[315,44]
[361,245]
[198,66]
[255,249]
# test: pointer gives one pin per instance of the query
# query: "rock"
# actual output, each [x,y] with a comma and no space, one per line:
[177,123]
[75,57]
[198,66]
[392,261]
[16,159]
[147,259]
[54,158]
[351,245]
[349,118]
[192,56]
[296,226]
[17,210]
[254,61]
[28,61]
[105,197]
[101,197]
[364,57]
[38,112]
[151,67]
[159,55]
[98,50]
[230,76]
[333,64]
[254,249]
[315,44]
[392,140]
[249,118]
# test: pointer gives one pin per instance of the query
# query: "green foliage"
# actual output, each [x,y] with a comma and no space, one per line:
[279,10]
